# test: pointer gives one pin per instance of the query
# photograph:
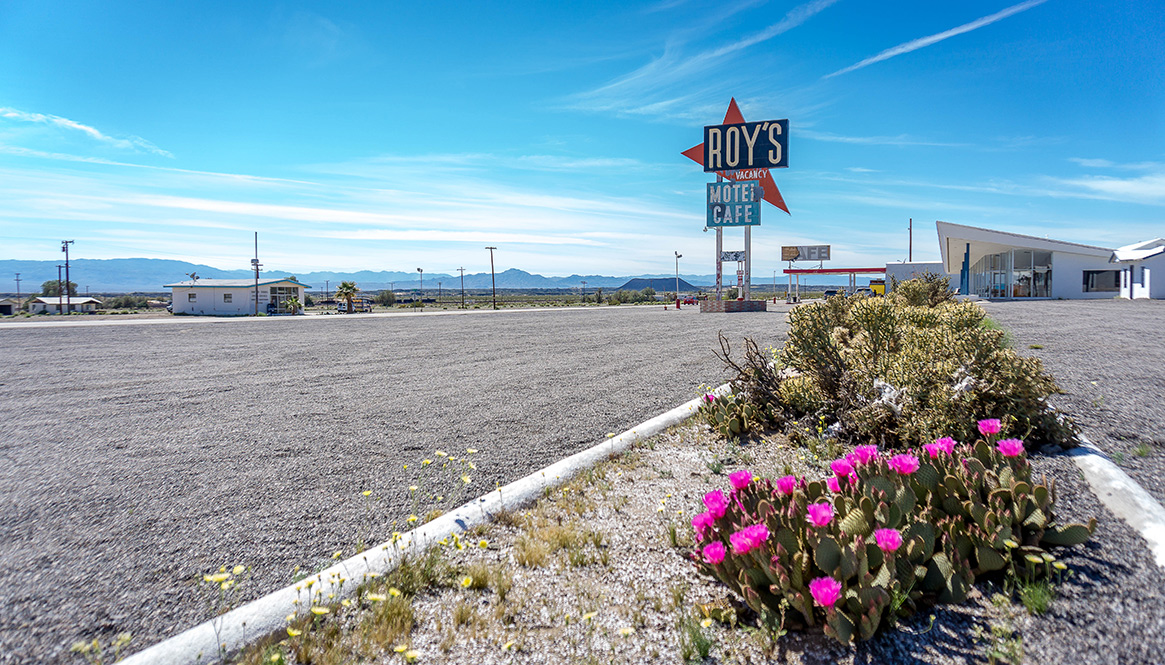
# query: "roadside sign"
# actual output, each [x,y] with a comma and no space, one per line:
[746,145]
[734,203]
[805,253]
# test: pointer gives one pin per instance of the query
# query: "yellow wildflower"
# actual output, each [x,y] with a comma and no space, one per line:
[412,518]
[483,543]
[239,570]
[471,450]
[291,632]
[377,597]
[466,582]
[441,453]
[394,592]
[367,492]
[319,611]
[626,631]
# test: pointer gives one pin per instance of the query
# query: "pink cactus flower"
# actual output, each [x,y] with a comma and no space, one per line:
[904,464]
[833,484]
[826,591]
[932,449]
[709,398]
[946,444]
[748,538]
[863,454]
[1010,447]
[990,426]
[701,523]
[888,540]
[714,552]
[740,479]
[787,484]
[716,503]
[841,467]
[820,514]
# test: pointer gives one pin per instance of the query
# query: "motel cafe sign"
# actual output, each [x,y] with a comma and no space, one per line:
[734,203]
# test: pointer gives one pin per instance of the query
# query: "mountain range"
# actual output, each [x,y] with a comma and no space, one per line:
[150,275]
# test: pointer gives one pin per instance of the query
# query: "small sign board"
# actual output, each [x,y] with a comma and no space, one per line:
[734,203]
[746,145]
[731,256]
[805,253]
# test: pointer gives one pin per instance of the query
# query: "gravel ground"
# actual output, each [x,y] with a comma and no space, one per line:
[1108,357]
[1108,610]
[136,457]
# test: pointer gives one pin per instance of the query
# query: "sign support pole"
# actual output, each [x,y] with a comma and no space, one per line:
[719,250]
[747,262]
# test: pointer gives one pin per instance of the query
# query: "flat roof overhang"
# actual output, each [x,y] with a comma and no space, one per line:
[834,271]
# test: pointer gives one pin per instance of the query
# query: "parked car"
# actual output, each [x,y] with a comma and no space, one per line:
[865,291]
[829,293]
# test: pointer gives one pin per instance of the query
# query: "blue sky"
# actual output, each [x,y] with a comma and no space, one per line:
[391,136]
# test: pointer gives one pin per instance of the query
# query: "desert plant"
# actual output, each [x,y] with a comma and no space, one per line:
[901,374]
[881,535]
[347,291]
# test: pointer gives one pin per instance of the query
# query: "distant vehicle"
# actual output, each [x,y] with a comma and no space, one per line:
[358,305]
[878,286]
[829,293]
[865,291]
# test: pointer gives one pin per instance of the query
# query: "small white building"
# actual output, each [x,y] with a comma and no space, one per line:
[999,264]
[1139,262]
[55,305]
[234,297]
[9,306]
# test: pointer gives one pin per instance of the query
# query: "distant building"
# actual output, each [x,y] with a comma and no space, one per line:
[1138,263]
[234,297]
[999,264]
[9,306]
[900,272]
[55,305]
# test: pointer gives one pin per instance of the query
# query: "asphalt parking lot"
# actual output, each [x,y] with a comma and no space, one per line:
[137,456]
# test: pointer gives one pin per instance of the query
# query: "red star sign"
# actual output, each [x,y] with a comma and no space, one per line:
[768,185]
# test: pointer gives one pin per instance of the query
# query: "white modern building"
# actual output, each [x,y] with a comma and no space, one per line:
[1139,263]
[55,305]
[999,264]
[234,297]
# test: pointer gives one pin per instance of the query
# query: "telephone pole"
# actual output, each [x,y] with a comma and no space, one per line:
[420,270]
[68,295]
[910,245]
[18,303]
[492,280]
[462,287]
[584,293]
[59,289]
[255,264]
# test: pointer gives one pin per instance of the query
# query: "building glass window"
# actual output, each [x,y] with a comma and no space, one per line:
[1017,273]
[191,297]
[280,294]
[226,297]
[1102,281]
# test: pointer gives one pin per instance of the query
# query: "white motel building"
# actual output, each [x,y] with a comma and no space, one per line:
[234,297]
[999,264]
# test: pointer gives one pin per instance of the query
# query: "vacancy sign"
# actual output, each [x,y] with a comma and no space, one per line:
[734,203]
[760,142]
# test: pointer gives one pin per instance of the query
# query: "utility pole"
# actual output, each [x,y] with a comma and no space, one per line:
[678,257]
[255,264]
[327,284]
[584,296]
[59,267]
[422,287]
[492,280]
[910,245]
[19,305]
[439,293]
[462,287]
[68,296]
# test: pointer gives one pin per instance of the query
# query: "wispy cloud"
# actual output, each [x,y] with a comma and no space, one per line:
[900,140]
[129,143]
[646,90]
[923,42]
[1147,189]
[1108,164]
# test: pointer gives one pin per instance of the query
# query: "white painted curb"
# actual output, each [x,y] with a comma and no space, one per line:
[1123,496]
[268,615]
